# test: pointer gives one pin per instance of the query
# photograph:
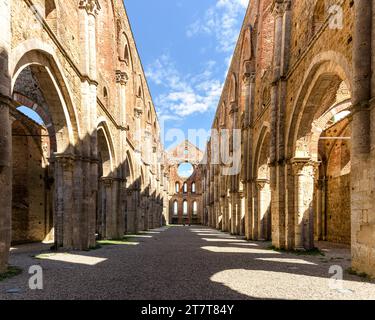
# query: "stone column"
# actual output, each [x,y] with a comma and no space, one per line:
[363,137]
[264,202]
[130,212]
[88,10]
[305,173]
[249,221]
[362,63]
[108,213]
[236,210]
[5,183]
[281,11]
[223,215]
[320,209]
[242,204]
[65,221]
[5,136]
[216,198]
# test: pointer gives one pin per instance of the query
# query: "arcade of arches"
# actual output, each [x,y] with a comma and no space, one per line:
[85,171]
[302,95]
[299,89]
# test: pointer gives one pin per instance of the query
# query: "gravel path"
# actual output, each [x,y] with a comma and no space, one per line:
[189,263]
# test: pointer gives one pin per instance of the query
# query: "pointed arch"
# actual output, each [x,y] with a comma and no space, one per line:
[50,14]
[106,149]
[327,67]
[319,16]
[139,91]
[37,58]
[233,91]
[260,169]
[125,52]
[129,169]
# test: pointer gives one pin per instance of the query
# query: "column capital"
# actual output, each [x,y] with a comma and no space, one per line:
[233,107]
[305,166]
[107,181]
[248,78]
[261,183]
[91,6]
[121,77]
[66,160]
[279,7]
[138,112]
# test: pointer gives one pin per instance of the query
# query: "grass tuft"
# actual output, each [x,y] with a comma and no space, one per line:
[114,242]
[312,252]
[11,272]
[363,275]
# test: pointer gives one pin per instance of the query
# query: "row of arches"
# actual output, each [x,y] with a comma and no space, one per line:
[319,164]
[294,185]
[185,208]
[185,188]
[46,166]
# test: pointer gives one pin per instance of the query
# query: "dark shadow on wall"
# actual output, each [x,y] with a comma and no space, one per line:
[5,159]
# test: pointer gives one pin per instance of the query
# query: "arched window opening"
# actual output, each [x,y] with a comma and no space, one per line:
[139,87]
[195,208]
[149,114]
[126,54]
[185,187]
[266,98]
[105,96]
[175,208]
[222,115]
[177,187]
[51,14]
[186,169]
[233,89]
[318,16]
[185,208]
[193,187]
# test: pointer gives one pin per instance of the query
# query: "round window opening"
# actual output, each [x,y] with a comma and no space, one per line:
[185,170]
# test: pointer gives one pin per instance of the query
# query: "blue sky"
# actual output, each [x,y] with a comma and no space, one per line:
[186,47]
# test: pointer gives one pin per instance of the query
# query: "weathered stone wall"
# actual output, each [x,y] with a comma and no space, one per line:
[185,153]
[338,168]
[307,61]
[86,77]
[31,206]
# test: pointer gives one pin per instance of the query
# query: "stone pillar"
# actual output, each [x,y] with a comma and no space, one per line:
[118,217]
[362,63]
[305,174]
[5,184]
[363,137]
[88,10]
[78,201]
[236,212]
[250,211]
[121,81]
[109,217]
[242,214]
[281,11]
[65,220]
[5,136]
[132,201]
[249,186]
[223,214]
[320,210]
[264,203]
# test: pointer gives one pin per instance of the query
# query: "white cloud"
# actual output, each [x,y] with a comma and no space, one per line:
[221,20]
[186,95]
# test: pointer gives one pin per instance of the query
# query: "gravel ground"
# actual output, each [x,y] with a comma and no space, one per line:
[189,263]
